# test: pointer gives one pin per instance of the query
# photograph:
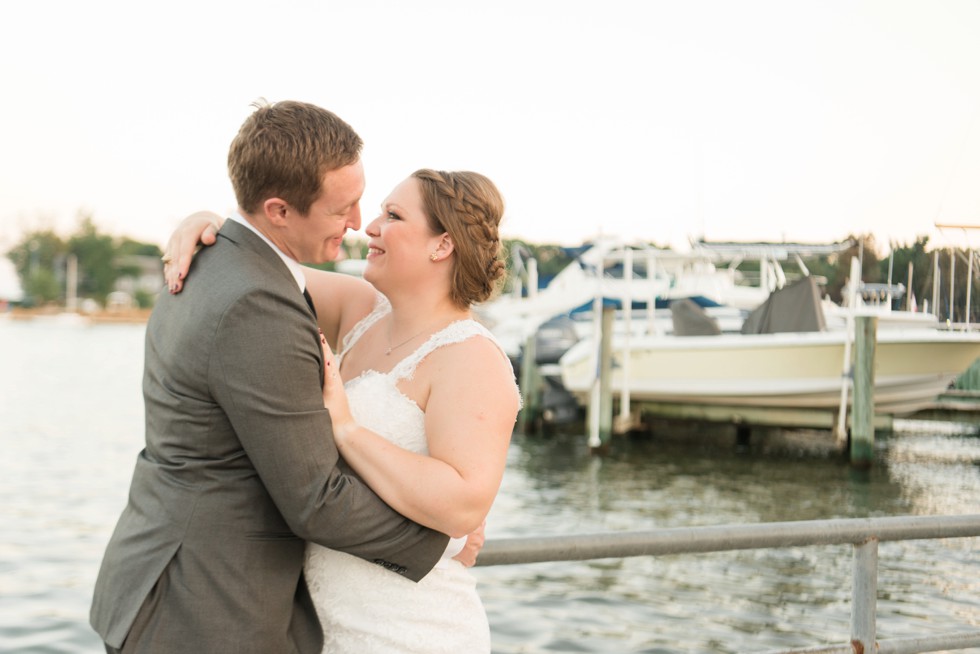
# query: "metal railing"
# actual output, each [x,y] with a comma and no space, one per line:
[863,534]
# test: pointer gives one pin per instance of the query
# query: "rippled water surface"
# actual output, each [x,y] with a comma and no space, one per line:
[71,425]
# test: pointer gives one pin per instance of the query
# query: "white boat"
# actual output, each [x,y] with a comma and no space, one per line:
[797,369]
[806,367]
[786,355]
[643,281]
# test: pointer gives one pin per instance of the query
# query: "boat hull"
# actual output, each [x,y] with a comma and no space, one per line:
[805,370]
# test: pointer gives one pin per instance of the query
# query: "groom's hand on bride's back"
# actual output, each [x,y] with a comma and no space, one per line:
[474,543]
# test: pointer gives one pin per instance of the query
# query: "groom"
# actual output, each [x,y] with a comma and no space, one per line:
[240,468]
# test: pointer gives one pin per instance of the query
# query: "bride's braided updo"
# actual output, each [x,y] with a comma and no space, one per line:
[468,207]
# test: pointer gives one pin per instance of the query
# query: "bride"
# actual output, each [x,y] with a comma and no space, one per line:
[423,403]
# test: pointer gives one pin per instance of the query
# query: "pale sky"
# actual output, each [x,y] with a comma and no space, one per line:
[654,120]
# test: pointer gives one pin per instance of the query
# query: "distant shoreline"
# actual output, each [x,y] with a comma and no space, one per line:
[130,316]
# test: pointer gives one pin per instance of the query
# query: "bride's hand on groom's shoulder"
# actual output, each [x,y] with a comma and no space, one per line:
[199,228]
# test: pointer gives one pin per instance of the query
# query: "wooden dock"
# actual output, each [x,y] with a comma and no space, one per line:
[955,405]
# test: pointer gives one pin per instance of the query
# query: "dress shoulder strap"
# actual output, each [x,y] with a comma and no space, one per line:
[455,332]
[381,308]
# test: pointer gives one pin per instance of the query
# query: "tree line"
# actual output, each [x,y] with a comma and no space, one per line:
[41,257]
[103,260]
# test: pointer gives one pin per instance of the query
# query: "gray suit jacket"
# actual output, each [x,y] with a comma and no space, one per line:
[239,470]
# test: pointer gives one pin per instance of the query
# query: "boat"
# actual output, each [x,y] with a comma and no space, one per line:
[793,369]
[786,355]
[682,331]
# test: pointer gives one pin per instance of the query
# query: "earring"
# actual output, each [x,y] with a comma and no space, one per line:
[434,256]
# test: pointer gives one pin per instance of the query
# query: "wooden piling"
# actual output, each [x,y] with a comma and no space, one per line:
[601,406]
[530,387]
[862,415]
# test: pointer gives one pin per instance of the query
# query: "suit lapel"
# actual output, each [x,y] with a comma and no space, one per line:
[309,301]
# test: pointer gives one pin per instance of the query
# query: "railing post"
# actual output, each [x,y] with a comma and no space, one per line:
[864,596]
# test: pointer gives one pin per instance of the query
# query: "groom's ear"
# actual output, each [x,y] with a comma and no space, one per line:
[276,210]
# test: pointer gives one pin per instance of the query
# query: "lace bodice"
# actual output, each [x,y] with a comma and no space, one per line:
[364,608]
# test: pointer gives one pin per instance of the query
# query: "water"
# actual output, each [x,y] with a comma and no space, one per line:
[71,425]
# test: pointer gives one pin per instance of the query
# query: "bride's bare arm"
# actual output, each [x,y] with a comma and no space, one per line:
[199,228]
[469,418]
[340,300]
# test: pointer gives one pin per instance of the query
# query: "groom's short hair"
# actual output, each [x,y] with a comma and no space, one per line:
[284,149]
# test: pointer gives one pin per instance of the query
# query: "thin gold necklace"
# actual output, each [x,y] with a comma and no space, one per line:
[406,341]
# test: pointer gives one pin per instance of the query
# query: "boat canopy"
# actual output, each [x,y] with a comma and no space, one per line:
[793,308]
[690,319]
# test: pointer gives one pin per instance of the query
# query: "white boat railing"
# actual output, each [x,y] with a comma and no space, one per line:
[863,534]
[846,376]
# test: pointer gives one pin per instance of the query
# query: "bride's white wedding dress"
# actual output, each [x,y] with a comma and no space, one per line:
[363,607]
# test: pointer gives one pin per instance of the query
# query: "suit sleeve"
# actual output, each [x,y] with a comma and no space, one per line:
[266,373]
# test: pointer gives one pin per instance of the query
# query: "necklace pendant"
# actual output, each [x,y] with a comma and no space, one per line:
[388,351]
